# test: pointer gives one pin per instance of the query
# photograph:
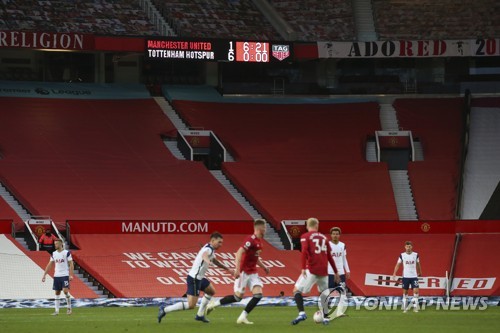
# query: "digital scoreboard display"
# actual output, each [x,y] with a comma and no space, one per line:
[217,50]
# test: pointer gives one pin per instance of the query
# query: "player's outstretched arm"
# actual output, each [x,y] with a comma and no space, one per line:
[220,265]
[261,264]
[71,269]
[237,261]
[49,265]
[396,270]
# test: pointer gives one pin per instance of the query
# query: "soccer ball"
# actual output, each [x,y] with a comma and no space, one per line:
[318,317]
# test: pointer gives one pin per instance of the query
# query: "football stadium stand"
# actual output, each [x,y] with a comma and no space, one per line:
[478,264]
[298,160]
[6,212]
[438,123]
[103,159]
[482,167]
[85,16]
[216,18]
[429,19]
[28,269]
[314,20]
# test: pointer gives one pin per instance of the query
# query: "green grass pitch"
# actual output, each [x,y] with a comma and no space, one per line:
[267,319]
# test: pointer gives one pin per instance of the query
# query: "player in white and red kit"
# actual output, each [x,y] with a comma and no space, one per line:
[246,262]
[316,254]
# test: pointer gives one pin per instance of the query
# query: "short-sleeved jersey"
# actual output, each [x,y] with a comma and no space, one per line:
[61,260]
[316,253]
[409,262]
[339,254]
[253,247]
[200,267]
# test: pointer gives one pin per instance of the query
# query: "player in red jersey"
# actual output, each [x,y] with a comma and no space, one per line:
[246,273]
[316,253]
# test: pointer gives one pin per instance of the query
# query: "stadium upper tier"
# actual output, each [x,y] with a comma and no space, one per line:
[314,20]
[100,17]
[301,160]
[430,19]
[217,18]
[103,159]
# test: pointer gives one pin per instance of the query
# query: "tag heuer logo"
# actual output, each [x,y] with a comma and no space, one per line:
[281,52]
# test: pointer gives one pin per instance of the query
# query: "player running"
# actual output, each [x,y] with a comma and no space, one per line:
[339,254]
[63,273]
[316,253]
[197,282]
[246,273]
[411,272]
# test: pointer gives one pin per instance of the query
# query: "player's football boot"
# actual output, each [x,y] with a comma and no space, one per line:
[326,321]
[68,312]
[244,320]
[202,319]
[55,314]
[161,313]
[299,318]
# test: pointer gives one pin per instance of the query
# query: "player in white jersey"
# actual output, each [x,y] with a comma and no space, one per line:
[197,282]
[411,271]
[63,273]
[339,254]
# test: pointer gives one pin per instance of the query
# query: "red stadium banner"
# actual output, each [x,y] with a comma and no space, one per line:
[398,227]
[158,227]
[5,226]
[157,265]
[46,40]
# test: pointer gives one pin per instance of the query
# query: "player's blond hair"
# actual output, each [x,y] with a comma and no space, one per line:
[259,222]
[312,222]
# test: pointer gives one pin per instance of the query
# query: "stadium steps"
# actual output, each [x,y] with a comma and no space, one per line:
[14,203]
[91,282]
[172,146]
[403,195]
[23,243]
[364,22]
[271,235]
[388,117]
[419,151]
[169,111]
[371,151]
[179,124]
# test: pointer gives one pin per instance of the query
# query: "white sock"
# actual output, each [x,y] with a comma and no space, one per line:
[415,300]
[302,313]
[404,302]
[216,303]
[243,314]
[57,303]
[177,307]
[68,301]
[203,305]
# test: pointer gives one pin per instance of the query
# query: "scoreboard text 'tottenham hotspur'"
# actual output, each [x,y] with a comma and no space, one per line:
[169,49]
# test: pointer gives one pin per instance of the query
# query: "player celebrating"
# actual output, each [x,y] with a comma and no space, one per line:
[63,273]
[196,281]
[339,254]
[316,253]
[411,272]
[246,273]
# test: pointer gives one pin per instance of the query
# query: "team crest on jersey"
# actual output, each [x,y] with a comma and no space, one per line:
[281,52]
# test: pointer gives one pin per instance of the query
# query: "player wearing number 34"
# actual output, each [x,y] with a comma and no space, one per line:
[316,254]
[63,273]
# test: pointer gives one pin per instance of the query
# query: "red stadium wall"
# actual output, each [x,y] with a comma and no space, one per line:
[157,265]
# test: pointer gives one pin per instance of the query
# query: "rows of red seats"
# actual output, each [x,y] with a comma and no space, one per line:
[103,159]
[297,161]
[437,123]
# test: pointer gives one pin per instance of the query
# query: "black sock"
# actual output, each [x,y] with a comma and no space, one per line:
[229,299]
[300,301]
[253,302]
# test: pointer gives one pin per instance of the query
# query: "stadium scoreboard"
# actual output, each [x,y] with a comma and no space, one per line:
[217,50]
